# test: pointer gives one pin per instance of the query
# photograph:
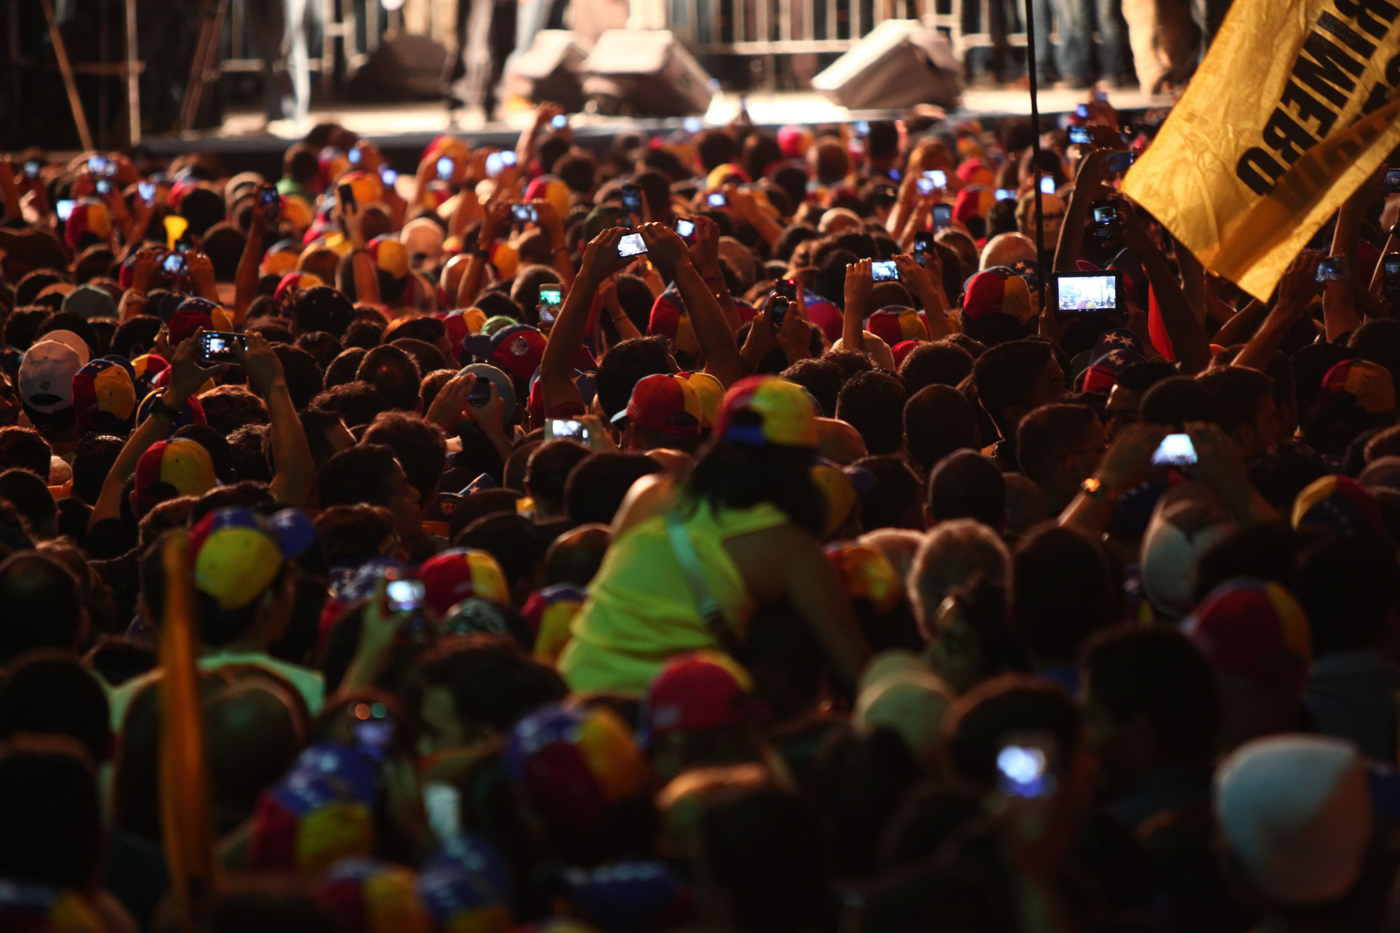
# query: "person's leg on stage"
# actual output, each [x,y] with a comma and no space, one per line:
[1047,65]
[998,28]
[299,63]
[1208,15]
[1115,65]
[1073,24]
[270,27]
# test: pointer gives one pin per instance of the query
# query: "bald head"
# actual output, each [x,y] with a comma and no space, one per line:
[1007,248]
[576,555]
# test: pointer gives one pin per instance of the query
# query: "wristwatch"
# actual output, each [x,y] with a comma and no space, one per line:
[160,408]
[1094,488]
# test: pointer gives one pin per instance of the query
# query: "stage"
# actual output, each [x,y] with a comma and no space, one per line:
[402,130]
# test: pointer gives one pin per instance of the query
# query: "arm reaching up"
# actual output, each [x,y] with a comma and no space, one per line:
[291,452]
[667,250]
[600,260]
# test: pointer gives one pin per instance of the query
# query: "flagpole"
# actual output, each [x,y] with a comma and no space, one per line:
[1035,142]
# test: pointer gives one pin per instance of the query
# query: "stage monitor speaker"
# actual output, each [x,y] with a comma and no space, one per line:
[551,69]
[406,67]
[899,64]
[644,72]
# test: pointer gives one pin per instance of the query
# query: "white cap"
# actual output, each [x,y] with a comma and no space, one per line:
[1295,811]
[900,693]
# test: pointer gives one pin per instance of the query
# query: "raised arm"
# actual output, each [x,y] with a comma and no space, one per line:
[495,218]
[600,260]
[704,252]
[291,452]
[1189,341]
[245,279]
[858,286]
[926,282]
[668,251]
[1088,187]
[1339,296]
[1297,288]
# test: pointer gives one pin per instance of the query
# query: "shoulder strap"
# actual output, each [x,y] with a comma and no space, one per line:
[705,600]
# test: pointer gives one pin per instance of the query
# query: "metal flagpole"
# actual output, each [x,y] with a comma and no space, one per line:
[1035,143]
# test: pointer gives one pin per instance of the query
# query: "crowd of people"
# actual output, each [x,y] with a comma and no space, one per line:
[726,530]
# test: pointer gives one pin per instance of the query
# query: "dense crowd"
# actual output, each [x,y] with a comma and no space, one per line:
[726,531]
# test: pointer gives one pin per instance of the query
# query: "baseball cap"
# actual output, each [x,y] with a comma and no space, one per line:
[1176,538]
[459,573]
[763,410]
[1254,629]
[1338,503]
[631,896]
[1295,812]
[517,349]
[899,692]
[668,318]
[505,386]
[974,201]
[319,813]
[711,393]
[281,257]
[90,218]
[457,898]
[369,895]
[897,324]
[90,302]
[104,396]
[550,613]
[46,376]
[192,412]
[997,290]
[552,189]
[293,283]
[238,552]
[190,315]
[697,692]
[866,573]
[1102,373]
[573,764]
[663,403]
[71,340]
[176,467]
[1370,384]
[389,255]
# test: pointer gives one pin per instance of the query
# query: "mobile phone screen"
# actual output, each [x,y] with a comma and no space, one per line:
[147,190]
[567,429]
[559,122]
[1175,450]
[631,245]
[886,271]
[1047,184]
[632,199]
[685,228]
[174,264]
[65,210]
[1090,292]
[1332,269]
[551,297]
[404,595]
[717,199]
[942,215]
[444,168]
[1080,135]
[1006,194]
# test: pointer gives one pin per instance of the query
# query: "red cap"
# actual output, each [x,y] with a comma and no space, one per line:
[695,692]
[666,404]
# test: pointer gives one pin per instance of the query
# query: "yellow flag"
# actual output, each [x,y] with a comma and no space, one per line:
[1291,110]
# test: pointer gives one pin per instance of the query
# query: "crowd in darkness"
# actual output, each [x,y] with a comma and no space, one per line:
[728,531]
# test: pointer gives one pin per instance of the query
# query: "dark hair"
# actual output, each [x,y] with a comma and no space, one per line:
[873,404]
[1159,676]
[363,334]
[394,374]
[1281,473]
[938,420]
[1005,376]
[1139,377]
[31,497]
[247,448]
[548,470]
[324,347]
[302,373]
[43,605]
[420,447]
[230,407]
[740,476]
[25,449]
[577,170]
[1310,364]
[596,487]
[359,475]
[627,364]
[135,336]
[897,499]
[220,451]
[1048,434]
[355,402]
[51,814]
[516,542]
[1177,401]
[966,484]
[492,682]
[715,147]
[1262,551]
[940,363]
[1236,393]
[355,531]
[983,719]
[51,693]
[74,322]
[1347,585]
[1065,589]
[821,377]
[343,367]
[315,422]
[764,849]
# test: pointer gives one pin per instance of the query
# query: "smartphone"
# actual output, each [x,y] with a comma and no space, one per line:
[494,165]
[404,595]
[31,168]
[1006,194]
[1082,111]
[354,155]
[1390,275]
[631,245]
[685,229]
[376,735]
[923,245]
[173,264]
[146,190]
[1391,184]
[217,347]
[1088,292]
[632,199]
[525,213]
[1080,136]
[942,216]
[98,165]
[1023,770]
[786,288]
[692,125]
[346,196]
[566,429]
[932,181]
[389,176]
[1175,450]
[551,299]
[862,128]
[444,168]
[1108,225]
[480,394]
[716,199]
[777,311]
[887,271]
[1047,184]
[1333,269]
[271,202]
[1120,162]
[559,122]
[507,158]
[104,186]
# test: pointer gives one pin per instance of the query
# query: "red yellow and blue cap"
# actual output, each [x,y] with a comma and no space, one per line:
[1370,384]
[763,410]
[664,403]
[1338,503]
[367,895]
[168,469]
[238,552]
[104,396]
[1254,629]
[460,573]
